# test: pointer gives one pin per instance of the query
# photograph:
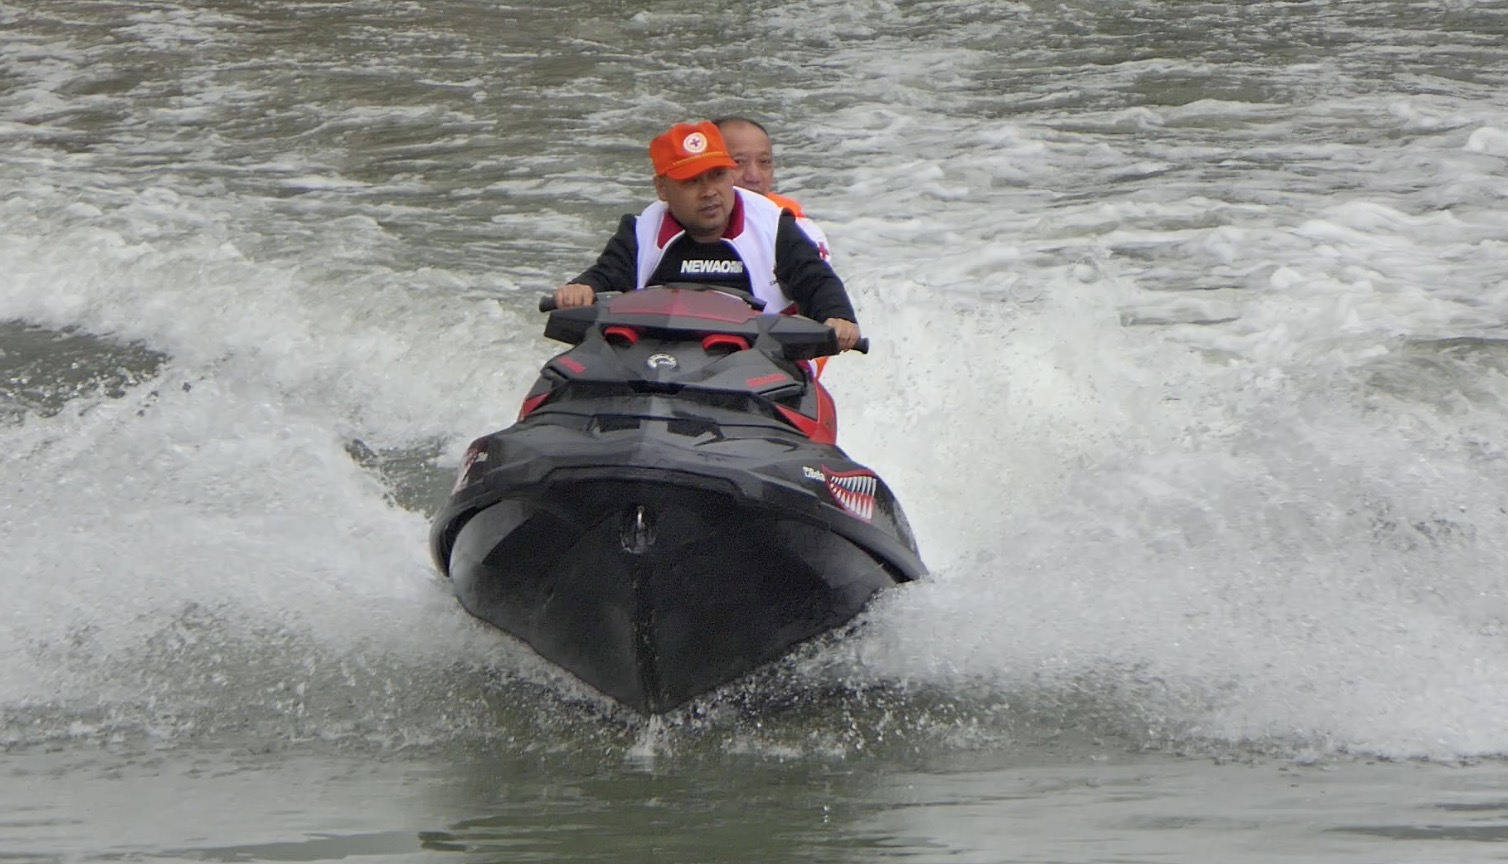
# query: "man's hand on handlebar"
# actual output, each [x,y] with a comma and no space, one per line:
[846,331]
[574,294]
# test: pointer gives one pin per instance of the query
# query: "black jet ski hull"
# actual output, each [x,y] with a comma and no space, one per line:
[671,510]
[655,592]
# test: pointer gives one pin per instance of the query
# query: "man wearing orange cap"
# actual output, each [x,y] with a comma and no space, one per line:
[749,145]
[703,229]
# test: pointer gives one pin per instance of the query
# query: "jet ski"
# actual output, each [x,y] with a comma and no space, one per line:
[671,509]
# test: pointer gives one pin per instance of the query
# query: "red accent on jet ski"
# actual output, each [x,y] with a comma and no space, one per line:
[572,364]
[531,403]
[706,305]
[475,454]
[724,340]
[629,335]
[762,381]
[827,412]
[853,491]
[823,428]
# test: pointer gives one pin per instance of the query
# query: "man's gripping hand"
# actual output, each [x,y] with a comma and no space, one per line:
[846,331]
[574,294]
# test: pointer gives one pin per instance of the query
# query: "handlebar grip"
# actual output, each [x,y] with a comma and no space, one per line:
[862,346]
[547,303]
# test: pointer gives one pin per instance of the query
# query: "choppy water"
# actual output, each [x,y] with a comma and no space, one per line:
[1191,369]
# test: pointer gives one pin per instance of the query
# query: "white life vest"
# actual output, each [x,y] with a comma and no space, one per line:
[751,234]
[808,227]
[816,235]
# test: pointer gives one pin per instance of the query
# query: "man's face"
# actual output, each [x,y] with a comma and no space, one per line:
[750,148]
[702,204]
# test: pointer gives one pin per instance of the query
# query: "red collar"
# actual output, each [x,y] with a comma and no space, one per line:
[671,229]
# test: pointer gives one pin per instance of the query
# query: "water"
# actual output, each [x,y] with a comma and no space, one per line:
[1191,370]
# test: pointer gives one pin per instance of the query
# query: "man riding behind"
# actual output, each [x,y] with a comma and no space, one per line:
[750,146]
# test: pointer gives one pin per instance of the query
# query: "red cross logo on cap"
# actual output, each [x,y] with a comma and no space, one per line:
[694,143]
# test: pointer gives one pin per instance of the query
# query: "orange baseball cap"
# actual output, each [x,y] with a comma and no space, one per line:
[689,149]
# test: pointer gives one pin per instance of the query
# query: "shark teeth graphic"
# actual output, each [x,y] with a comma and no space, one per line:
[853,491]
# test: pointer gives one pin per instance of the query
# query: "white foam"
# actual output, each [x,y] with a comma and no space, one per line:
[1262,525]
[1196,405]
[1489,140]
[224,484]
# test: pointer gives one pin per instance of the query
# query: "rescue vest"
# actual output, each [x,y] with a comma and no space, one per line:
[815,234]
[751,233]
[785,203]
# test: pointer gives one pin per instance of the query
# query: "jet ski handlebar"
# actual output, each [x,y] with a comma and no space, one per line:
[547,303]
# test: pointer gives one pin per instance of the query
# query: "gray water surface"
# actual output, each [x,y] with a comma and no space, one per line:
[1190,369]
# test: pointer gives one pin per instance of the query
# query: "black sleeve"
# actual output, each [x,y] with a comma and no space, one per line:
[806,278]
[616,268]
